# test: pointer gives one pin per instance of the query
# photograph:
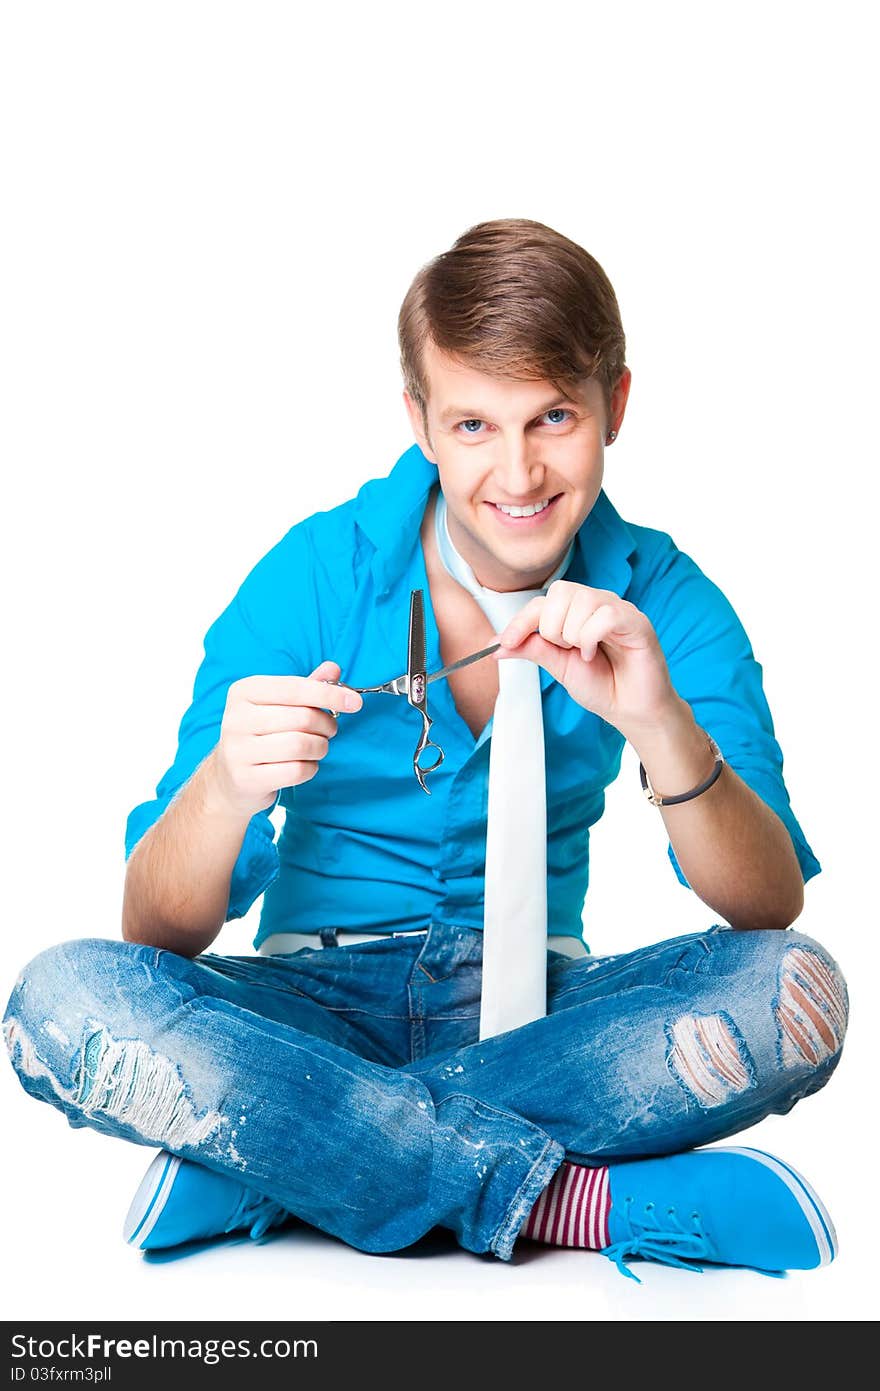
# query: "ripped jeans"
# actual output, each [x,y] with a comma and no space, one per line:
[349,1083]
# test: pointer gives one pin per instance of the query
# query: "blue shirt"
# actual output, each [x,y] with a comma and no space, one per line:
[362,848]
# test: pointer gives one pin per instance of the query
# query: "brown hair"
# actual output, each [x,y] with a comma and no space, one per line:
[513,298]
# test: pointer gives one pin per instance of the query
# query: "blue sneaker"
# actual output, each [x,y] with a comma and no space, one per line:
[724,1206]
[181,1201]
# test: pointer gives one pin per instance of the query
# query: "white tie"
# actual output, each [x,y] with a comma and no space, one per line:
[514,972]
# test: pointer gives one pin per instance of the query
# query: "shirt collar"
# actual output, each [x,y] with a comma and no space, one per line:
[389,511]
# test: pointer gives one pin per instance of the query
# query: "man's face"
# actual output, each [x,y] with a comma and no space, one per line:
[500,441]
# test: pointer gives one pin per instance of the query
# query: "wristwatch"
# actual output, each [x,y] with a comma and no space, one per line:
[657,801]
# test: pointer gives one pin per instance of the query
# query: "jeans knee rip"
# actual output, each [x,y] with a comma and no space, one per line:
[709,1058]
[122,1079]
[811,1008]
[126,1080]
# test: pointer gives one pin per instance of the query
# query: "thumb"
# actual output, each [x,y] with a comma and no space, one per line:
[326,671]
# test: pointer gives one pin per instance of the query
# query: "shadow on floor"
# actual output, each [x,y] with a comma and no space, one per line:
[435,1243]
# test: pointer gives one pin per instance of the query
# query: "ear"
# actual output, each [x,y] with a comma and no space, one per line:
[619,398]
[418,427]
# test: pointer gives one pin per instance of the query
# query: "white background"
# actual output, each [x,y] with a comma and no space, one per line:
[212,214]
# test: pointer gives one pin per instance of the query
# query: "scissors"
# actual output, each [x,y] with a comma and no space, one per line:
[414,683]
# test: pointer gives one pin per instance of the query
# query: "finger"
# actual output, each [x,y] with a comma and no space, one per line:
[298,747]
[320,692]
[325,670]
[557,615]
[523,623]
[293,774]
[288,719]
[567,608]
[609,621]
[328,673]
[568,631]
[536,649]
[548,613]
[345,699]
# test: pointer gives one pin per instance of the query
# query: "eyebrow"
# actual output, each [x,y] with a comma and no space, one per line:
[464,414]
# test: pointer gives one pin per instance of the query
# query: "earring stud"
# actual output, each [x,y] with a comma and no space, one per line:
[612,436]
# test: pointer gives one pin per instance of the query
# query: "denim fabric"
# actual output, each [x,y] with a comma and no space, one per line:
[361,847]
[349,1083]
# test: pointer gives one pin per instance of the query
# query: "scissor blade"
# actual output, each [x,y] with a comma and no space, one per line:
[463,662]
[418,655]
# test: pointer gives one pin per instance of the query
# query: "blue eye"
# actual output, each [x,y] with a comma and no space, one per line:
[554,410]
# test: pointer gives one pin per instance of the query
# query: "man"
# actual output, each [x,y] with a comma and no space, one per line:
[341,1075]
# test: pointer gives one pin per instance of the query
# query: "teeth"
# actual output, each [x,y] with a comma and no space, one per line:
[524,511]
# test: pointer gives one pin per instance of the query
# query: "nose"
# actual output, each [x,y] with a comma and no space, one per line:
[518,472]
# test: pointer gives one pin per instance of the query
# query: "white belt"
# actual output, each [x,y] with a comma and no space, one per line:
[284,942]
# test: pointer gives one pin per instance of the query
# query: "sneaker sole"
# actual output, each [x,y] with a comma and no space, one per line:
[811,1204]
[150,1199]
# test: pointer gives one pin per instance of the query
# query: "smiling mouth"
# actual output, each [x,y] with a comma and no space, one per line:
[527,511]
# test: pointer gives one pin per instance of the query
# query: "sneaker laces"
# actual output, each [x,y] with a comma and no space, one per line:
[257,1212]
[673,1244]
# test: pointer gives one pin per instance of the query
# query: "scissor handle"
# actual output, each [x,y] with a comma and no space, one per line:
[426,743]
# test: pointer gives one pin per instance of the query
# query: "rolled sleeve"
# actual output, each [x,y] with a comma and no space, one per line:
[713,668]
[261,632]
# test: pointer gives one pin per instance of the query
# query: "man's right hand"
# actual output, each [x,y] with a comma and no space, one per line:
[275,731]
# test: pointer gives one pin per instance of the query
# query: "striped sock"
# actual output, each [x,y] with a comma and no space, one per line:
[573,1209]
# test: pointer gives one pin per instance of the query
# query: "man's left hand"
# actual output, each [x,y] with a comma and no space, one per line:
[601,648]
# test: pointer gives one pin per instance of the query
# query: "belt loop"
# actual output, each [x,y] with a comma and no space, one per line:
[328,937]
